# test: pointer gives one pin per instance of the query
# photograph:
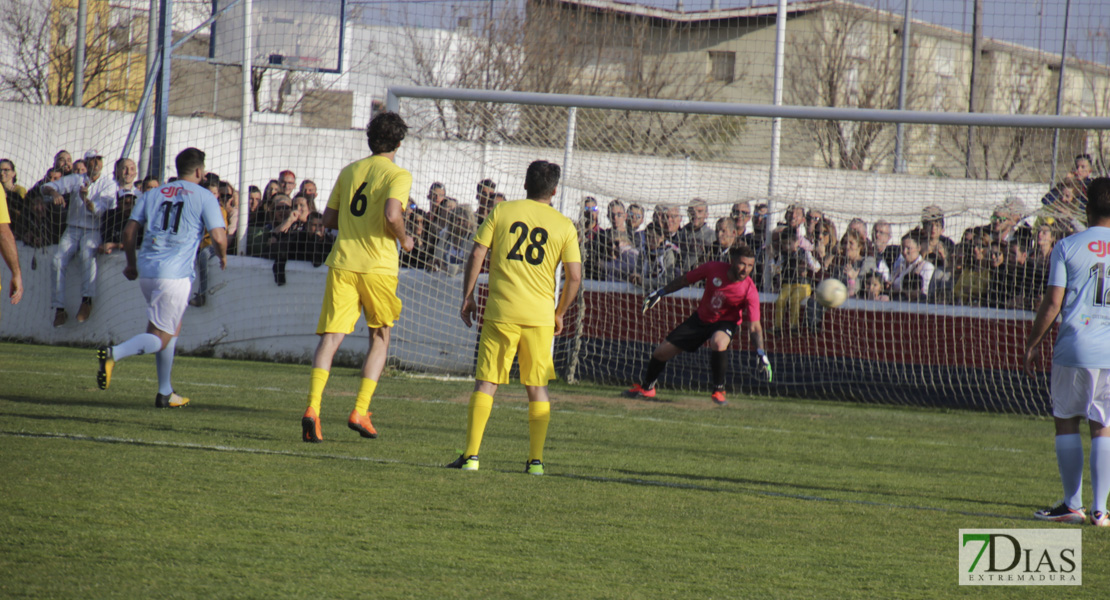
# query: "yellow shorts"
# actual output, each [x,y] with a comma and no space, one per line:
[347,291]
[500,342]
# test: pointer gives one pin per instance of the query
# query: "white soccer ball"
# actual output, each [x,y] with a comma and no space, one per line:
[831,293]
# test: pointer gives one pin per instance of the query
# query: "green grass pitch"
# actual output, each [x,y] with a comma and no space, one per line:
[105,496]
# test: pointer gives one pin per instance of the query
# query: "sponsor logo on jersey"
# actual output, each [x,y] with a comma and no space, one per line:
[717,281]
[170,192]
[1100,248]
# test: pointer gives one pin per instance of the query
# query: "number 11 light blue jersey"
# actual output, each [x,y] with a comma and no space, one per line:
[1081,264]
[174,218]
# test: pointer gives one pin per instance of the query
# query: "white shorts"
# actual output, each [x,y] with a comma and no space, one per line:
[1079,392]
[166,301]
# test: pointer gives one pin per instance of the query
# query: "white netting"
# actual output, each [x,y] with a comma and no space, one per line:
[959,346]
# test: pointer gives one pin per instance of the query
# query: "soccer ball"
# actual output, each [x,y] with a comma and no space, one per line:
[831,293]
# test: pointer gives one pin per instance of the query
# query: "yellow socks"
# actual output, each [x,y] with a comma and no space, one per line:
[365,394]
[316,388]
[539,415]
[477,414]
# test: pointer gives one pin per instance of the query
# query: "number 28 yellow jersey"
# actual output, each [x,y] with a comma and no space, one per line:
[526,241]
[365,244]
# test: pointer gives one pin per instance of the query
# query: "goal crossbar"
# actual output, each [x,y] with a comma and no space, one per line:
[395,93]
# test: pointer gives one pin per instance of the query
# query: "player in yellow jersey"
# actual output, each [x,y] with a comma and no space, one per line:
[367,205]
[8,251]
[525,240]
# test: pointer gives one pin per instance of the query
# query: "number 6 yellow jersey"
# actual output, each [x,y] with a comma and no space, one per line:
[364,244]
[526,241]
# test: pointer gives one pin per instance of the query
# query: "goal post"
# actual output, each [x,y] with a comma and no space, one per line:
[943,350]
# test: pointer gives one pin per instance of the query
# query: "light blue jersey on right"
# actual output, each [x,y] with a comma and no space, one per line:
[174,218]
[1080,263]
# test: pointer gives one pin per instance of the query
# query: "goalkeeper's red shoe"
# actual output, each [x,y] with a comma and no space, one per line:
[639,392]
[719,398]
[362,424]
[310,426]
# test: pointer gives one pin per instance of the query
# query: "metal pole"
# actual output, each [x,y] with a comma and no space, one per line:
[776,138]
[1060,91]
[162,107]
[244,126]
[148,114]
[568,154]
[976,41]
[899,139]
[79,53]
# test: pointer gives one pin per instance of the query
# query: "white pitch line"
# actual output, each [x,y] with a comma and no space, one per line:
[596,478]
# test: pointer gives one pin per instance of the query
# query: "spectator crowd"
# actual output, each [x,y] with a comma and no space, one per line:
[80,207]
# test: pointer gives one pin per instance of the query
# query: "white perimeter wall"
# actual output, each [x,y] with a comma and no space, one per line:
[31,135]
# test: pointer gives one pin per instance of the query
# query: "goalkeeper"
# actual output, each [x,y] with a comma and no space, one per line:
[730,299]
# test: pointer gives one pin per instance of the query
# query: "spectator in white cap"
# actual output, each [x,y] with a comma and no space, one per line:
[85,196]
[1006,218]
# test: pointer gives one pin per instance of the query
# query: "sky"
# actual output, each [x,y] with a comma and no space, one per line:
[1031,23]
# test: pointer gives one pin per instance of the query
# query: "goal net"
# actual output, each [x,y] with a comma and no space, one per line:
[947,330]
[982,204]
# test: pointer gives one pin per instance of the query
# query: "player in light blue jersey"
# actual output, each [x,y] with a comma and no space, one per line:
[1079,286]
[173,218]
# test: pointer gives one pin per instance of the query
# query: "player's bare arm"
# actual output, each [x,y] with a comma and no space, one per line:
[655,296]
[572,273]
[755,334]
[331,218]
[1051,304]
[11,257]
[395,222]
[130,234]
[219,241]
[469,309]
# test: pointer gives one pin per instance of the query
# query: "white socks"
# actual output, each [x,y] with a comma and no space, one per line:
[1100,471]
[164,360]
[144,343]
[1069,458]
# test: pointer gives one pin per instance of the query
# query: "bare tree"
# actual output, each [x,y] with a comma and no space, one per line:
[852,58]
[553,47]
[38,55]
[1007,153]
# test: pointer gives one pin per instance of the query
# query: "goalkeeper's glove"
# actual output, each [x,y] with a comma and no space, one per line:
[763,366]
[652,299]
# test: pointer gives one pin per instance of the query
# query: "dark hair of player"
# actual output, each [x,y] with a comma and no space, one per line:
[1098,199]
[541,179]
[1080,157]
[385,132]
[740,250]
[147,180]
[189,160]
[486,183]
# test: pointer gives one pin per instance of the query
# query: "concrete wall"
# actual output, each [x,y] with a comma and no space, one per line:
[33,133]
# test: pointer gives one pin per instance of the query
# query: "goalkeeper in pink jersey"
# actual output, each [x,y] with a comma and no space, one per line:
[730,299]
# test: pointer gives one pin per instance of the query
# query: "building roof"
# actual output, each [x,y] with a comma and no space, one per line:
[806,6]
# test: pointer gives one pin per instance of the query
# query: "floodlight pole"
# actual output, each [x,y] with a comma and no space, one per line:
[1060,92]
[776,139]
[899,137]
[79,53]
[147,115]
[244,126]
[162,105]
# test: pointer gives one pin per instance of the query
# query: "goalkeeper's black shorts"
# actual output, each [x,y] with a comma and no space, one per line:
[693,332]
